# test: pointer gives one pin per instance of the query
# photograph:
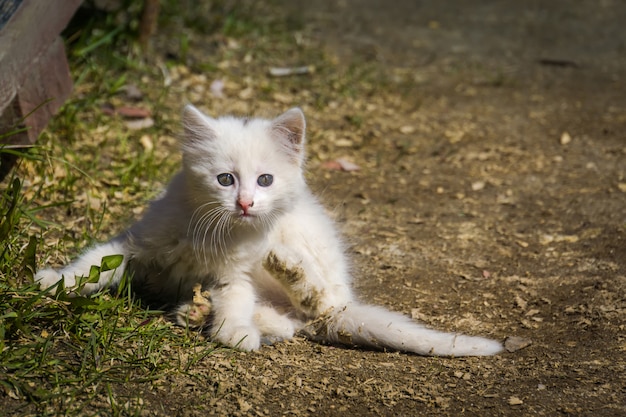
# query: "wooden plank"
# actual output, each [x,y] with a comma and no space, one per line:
[28,40]
[48,86]
[7,10]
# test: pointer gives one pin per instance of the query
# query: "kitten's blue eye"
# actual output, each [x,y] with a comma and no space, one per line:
[265,180]
[226,179]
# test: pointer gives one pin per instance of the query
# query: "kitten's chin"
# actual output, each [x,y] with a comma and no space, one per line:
[255,219]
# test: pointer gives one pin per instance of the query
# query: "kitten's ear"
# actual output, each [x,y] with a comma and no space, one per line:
[290,127]
[197,125]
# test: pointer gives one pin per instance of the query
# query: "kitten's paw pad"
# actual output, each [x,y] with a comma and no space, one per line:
[196,312]
[241,337]
[193,315]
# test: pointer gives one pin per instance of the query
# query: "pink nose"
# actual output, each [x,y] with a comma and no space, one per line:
[245,205]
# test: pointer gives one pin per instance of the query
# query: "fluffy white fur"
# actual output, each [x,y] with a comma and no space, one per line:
[267,253]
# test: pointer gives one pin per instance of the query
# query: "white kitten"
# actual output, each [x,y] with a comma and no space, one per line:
[240,222]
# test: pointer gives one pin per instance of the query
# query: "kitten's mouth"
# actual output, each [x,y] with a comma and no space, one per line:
[245,216]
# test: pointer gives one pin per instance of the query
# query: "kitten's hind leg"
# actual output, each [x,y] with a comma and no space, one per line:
[195,313]
[81,267]
[274,326]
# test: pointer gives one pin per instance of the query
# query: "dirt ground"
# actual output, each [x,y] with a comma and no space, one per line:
[491,200]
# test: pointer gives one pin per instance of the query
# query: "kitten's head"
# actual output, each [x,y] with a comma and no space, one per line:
[250,170]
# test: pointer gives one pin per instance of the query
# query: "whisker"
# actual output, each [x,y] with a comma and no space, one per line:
[208,224]
[211,226]
[198,212]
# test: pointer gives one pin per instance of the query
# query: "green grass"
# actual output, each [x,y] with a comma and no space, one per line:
[58,350]
[59,354]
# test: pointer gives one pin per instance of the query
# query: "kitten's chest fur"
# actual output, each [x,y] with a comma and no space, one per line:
[171,272]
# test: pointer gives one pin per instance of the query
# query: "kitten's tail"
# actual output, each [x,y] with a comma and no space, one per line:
[372,326]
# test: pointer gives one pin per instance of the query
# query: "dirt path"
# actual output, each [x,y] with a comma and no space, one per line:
[491,200]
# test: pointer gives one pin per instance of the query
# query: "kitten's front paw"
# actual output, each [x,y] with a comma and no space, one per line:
[47,278]
[285,268]
[240,337]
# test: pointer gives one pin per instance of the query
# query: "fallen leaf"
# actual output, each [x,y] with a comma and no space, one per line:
[521,302]
[138,124]
[417,315]
[343,143]
[282,98]
[478,185]
[286,71]
[132,92]
[442,402]
[108,109]
[146,142]
[546,239]
[565,138]
[246,93]
[515,343]
[515,401]
[244,406]
[340,164]
[217,88]
[331,165]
